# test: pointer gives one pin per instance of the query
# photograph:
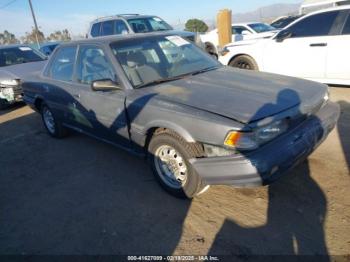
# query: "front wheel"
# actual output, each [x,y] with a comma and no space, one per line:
[169,157]
[244,62]
[52,125]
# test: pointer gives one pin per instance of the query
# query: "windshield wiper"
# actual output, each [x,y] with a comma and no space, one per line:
[205,70]
[163,80]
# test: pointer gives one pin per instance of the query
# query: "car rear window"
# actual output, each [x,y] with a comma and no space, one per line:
[95,30]
[19,55]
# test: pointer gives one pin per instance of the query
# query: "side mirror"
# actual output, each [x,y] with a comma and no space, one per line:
[283,35]
[104,85]
[246,32]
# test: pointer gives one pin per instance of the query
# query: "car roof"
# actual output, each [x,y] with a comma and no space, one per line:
[338,8]
[50,43]
[121,16]
[115,38]
[342,7]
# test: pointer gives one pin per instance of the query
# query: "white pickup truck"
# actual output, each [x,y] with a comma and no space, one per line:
[242,31]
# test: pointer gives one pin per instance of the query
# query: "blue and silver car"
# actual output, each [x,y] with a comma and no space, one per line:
[198,123]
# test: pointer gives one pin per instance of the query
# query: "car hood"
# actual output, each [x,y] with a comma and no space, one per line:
[242,95]
[21,71]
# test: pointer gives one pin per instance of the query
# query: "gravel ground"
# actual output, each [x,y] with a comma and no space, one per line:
[81,196]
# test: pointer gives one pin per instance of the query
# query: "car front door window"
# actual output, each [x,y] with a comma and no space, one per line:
[107,28]
[346,29]
[62,66]
[93,65]
[315,25]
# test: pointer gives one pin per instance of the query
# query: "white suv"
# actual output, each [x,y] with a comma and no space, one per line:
[132,24]
[316,47]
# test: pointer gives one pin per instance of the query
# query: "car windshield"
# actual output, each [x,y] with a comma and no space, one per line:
[261,27]
[148,24]
[18,55]
[159,59]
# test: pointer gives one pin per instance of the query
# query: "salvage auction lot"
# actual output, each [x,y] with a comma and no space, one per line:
[81,196]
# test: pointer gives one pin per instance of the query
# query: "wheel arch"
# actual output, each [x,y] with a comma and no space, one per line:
[209,45]
[38,101]
[155,126]
[241,54]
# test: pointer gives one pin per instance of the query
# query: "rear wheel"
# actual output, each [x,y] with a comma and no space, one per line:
[244,62]
[52,125]
[169,156]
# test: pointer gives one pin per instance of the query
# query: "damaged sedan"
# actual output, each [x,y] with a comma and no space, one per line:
[198,122]
[16,62]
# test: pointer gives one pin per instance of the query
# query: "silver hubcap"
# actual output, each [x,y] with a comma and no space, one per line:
[49,120]
[170,166]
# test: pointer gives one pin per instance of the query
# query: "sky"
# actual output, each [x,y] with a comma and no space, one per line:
[75,15]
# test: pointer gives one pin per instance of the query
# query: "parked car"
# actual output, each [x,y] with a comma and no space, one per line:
[16,62]
[316,47]
[240,32]
[48,47]
[134,24]
[308,6]
[199,123]
[283,21]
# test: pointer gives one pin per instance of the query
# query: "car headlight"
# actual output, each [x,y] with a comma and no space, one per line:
[9,83]
[252,140]
[241,140]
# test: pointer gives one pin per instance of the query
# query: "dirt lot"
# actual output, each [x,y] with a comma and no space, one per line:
[81,196]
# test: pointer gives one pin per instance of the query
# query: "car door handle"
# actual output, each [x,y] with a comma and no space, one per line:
[318,44]
[76,96]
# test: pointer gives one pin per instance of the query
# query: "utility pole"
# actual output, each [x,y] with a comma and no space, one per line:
[35,23]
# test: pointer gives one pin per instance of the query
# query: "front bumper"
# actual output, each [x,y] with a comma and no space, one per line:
[265,165]
[11,95]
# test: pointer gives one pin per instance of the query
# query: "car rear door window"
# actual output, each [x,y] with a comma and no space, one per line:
[315,25]
[108,28]
[120,27]
[346,29]
[95,30]
[93,65]
[62,66]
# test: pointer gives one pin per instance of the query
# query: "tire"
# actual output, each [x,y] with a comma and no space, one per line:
[179,152]
[244,62]
[51,124]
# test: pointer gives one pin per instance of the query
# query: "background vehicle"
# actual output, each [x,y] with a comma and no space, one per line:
[242,31]
[309,6]
[283,21]
[133,24]
[16,62]
[197,121]
[48,48]
[315,46]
